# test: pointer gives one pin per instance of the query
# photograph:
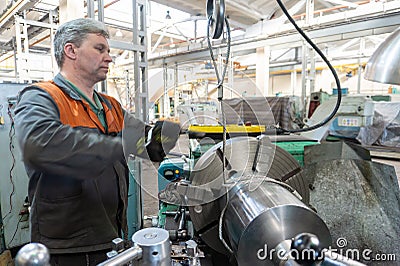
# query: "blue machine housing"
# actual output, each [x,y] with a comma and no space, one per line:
[336,130]
[170,170]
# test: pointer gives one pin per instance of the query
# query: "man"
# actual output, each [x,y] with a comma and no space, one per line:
[72,146]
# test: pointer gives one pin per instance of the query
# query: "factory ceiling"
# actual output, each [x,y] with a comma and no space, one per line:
[248,18]
[249,12]
[242,14]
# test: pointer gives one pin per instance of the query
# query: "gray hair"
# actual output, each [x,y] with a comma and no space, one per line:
[75,31]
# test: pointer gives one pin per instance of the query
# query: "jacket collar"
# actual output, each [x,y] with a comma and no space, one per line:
[62,83]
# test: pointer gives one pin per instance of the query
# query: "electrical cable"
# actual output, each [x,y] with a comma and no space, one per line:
[11,135]
[339,95]
[16,230]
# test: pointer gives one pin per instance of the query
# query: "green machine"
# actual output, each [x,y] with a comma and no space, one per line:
[291,143]
[294,145]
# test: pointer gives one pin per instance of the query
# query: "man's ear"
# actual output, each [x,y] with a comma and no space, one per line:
[69,50]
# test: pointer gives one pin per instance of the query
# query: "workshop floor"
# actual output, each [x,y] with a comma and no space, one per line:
[149,173]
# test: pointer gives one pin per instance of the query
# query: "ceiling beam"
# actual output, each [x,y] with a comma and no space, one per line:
[171,35]
[293,10]
[329,33]
[14,9]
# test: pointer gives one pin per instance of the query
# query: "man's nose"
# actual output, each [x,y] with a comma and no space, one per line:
[108,58]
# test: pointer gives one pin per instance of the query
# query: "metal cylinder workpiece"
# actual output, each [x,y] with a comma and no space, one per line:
[265,217]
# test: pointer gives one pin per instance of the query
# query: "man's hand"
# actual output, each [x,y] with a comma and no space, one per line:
[162,138]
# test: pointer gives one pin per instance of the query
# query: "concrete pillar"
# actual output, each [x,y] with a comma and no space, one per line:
[71,9]
[293,80]
[262,70]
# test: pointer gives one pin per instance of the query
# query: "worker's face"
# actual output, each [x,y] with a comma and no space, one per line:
[93,58]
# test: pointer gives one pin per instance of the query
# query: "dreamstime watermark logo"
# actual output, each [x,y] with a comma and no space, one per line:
[341,253]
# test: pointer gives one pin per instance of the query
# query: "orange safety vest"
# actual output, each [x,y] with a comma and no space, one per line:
[71,111]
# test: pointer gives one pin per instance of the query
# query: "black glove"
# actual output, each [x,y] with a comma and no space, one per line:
[162,138]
